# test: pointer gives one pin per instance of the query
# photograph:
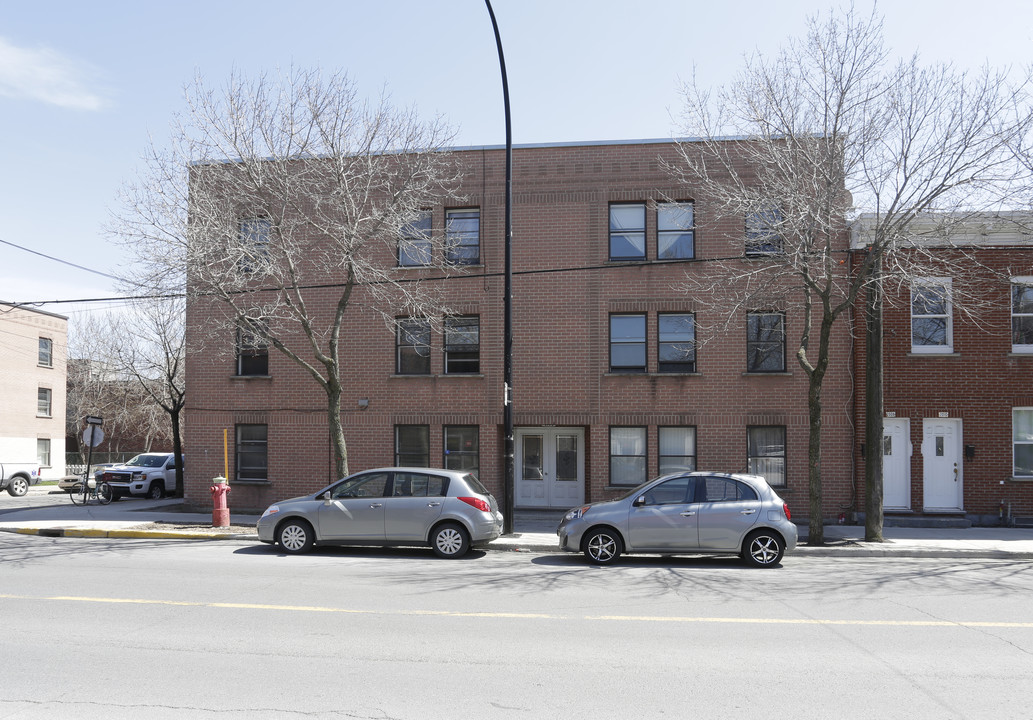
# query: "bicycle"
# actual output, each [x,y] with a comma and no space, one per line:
[86,489]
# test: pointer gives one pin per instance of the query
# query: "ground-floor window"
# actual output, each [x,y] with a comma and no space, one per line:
[766,453]
[462,448]
[43,451]
[677,449]
[1022,442]
[412,445]
[252,452]
[627,455]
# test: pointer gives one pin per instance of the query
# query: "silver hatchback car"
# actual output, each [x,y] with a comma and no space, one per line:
[446,509]
[693,512]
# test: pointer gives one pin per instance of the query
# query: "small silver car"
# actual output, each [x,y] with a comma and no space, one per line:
[690,512]
[446,509]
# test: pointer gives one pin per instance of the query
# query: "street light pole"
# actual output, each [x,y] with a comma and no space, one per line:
[507,352]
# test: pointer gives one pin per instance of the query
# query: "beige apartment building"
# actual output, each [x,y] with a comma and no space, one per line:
[33,372]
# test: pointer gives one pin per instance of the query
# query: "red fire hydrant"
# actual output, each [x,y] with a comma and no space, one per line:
[220,509]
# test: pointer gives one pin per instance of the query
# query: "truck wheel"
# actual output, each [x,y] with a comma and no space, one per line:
[18,487]
[156,491]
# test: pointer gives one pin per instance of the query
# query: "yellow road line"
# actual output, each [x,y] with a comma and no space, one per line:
[528,616]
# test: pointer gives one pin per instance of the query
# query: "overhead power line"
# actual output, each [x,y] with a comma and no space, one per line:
[59,260]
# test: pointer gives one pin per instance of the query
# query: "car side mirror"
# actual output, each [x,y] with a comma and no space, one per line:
[639,501]
[326,497]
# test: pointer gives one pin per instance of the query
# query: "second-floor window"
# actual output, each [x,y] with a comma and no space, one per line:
[252,353]
[628,231]
[765,342]
[414,246]
[463,236]
[412,346]
[763,231]
[931,325]
[462,344]
[44,400]
[677,342]
[1022,315]
[46,352]
[675,231]
[628,343]
[254,243]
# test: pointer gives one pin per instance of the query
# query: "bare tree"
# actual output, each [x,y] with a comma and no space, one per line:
[283,203]
[831,130]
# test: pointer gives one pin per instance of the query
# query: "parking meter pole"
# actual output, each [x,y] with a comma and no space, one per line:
[220,509]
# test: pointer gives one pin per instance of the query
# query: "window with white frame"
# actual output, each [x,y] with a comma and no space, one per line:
[1022,442]
[677,449]
[1022,315]
[931,326]
[766,453]
[44,401]
[414,246]
[675,231]
[254,235]
[463,236]
[43,451]
[46,352]
[627,231]
[627,455]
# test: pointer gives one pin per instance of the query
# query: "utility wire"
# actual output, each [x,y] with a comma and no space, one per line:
[63,262]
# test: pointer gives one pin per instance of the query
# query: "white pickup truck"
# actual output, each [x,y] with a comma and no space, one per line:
[16,477]
[150,474]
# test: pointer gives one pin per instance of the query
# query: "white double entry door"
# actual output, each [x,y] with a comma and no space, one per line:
[550,467]
[942,487]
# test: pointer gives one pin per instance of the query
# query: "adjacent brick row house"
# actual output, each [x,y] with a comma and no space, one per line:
[958,388]
[33,352]
[619,372]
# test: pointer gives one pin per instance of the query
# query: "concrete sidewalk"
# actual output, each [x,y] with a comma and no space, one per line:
[534,531]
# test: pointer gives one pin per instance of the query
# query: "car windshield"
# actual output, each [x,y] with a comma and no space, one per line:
[147,461]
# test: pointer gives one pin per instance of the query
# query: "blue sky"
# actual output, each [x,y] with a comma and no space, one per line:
[84,85]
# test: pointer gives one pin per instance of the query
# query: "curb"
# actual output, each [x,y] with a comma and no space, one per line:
[128,534]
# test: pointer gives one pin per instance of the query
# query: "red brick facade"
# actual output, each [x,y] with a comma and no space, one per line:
[956,406]
[565,290]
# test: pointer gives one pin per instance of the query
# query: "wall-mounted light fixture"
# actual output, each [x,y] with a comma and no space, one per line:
[363,403]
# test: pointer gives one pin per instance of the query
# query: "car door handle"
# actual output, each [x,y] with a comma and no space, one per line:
[688,513]
[433,504]
[747,512]
[374,506]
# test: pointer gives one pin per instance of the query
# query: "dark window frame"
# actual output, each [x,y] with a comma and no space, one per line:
[675,232]
[457,240]
[252,354]
[755,353]
[624,344]
[660,445]
[449,456]
[1022,314]
[644,455]
[462,358]
[762,235]
[254,447]
[412,343]
[672,366]
[415,246]
[626,232]
[402,457]
[751,458]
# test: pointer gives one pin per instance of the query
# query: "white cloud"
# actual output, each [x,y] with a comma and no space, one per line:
[45,75]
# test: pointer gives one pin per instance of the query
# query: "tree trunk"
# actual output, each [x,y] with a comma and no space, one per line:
[177,448]
[816,527]
[873,427]
[333,396]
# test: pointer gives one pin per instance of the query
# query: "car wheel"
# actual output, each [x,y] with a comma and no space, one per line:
[18,487]
[763,548]
[156,491]
[603,546]
[295,536]
[450,541]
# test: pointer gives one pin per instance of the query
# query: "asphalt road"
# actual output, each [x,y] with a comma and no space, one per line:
[96,628]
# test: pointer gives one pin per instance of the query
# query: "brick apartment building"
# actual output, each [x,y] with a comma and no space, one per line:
[614,378]
[958,388]
[33,347]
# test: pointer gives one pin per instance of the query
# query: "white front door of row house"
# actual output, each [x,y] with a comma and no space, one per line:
[549,467]
[941,450]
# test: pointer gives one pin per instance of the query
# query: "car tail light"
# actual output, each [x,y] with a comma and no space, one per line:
[785,509]
[481,505]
